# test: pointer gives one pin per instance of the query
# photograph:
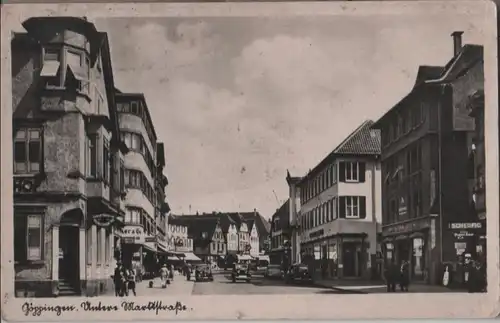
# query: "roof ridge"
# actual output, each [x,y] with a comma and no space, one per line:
[349,137]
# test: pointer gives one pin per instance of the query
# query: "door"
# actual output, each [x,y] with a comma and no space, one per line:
[69,258]
[349,256]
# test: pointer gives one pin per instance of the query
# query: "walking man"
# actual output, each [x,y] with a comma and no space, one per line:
[131,278]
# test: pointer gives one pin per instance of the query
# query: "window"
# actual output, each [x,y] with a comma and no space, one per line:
[134,108]
[28,150]
[51,67]
[352,172]
[353,207]
[122,176]
[28,237]
[74,58]
[92,156]
[106,161]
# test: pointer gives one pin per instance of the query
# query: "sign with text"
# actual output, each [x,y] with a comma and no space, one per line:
[416,225]
[465,225]
[132,234]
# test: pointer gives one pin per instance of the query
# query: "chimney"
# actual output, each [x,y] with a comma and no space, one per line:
[457,42]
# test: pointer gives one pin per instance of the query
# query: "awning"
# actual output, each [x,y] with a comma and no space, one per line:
[188,256]
[50,68]
[244,257]
[148,248]
[161,249]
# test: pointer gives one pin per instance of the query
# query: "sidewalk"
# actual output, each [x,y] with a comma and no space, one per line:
[179,286]
[369,287]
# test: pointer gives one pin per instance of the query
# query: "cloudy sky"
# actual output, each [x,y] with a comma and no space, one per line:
[238,101]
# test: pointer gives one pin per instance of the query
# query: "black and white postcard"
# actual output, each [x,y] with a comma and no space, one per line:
[268,160]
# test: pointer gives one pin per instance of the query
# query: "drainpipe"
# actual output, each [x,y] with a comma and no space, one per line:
[440,109]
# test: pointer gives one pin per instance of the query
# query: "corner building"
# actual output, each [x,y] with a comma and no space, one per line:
[68,157]
[340,209]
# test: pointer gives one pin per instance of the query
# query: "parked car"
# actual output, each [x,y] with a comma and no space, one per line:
[298,273]
[203,272]
[241,271]
[273,271]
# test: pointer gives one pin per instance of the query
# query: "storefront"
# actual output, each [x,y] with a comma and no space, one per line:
[410,242]
[469,238]
[338,256]
[132,241]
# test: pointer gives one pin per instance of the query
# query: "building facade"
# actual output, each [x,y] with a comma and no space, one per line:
[426,141]
[253,239]
[280,226]
[178,239]
[340,208]
[68,157]
[138,237]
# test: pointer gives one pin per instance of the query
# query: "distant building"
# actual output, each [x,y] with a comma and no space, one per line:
[340,209]
[428,214]
[178,239]
[280,232]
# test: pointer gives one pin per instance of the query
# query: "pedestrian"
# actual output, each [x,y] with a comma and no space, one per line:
[404,283]
[131,279]
[390,277]
[164,276]
[171,272]
[118,279]
[477,278]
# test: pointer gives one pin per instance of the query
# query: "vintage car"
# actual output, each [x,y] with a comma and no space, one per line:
[241,271]
[273,271]
[203,272]
[298,273]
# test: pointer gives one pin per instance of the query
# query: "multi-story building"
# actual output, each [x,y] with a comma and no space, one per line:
[340,207]
[138,237]
[243,233]
[280,233]
[426,139]
[178,240]
[68,159]
[262,225]
[162,207]
[254,238]
[477,165]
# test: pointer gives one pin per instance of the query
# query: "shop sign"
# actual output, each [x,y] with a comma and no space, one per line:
[465,225]
[150,239]
[316,234]
[132,234]
[462,235]
[402,206]
[407,227]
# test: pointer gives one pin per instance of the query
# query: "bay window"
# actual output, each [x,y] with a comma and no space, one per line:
[28,151]
[28,237]
[51,67]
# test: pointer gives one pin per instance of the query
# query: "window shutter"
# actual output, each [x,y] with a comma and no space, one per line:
[362,207]
[362,168]
[342,172]
[342,207]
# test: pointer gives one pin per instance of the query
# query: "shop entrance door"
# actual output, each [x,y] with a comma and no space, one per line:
[350,255]
[403,251]
[69,255]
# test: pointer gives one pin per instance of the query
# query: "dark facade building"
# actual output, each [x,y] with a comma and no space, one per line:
[280,235]
[68,159]
[426,140]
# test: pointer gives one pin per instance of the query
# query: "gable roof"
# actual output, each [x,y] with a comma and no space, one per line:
[466,58]
[197,225]
[426,72]
[250,224]
[363,141]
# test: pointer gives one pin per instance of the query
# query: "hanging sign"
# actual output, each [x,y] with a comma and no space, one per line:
[402,206]
[132,234]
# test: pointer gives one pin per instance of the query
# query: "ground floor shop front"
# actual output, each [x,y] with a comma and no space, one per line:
[62,249]
[339,256]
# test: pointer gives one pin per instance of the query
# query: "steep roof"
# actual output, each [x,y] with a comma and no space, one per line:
[363,141]
[250,224]
[468,57]
[197,225]
[427,72]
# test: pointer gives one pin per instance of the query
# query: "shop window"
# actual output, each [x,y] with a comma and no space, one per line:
[28,237]
[28,151]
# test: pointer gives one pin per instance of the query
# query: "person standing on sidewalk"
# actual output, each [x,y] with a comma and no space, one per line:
[390,276]
[119,279]
[164,276]
[405,276]
[131,277]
